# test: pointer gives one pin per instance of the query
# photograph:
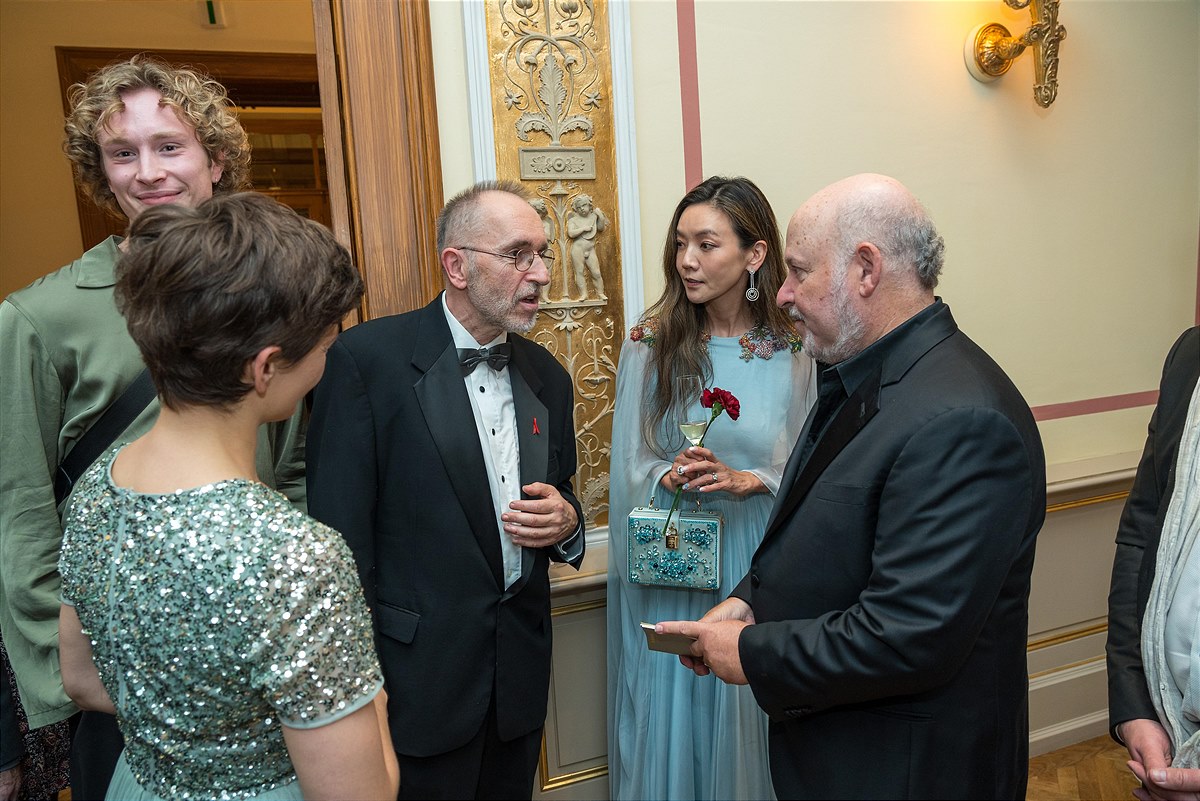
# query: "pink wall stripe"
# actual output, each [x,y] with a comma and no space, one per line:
[1056,411]
[689,92]
[693,174]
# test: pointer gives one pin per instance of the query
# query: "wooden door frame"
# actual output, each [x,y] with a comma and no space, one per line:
[381,145]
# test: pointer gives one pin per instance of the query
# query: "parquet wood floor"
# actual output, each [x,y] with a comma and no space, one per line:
[1094,770]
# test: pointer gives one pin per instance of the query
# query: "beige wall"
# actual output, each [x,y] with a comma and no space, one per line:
[39,224]
[1071,231]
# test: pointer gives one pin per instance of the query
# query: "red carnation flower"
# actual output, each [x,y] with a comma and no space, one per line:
[718,399]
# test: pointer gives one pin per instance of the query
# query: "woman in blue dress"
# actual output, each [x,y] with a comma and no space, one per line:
[226,629]
[672,734]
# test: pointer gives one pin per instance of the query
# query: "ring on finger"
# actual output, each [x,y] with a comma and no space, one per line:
[714,478]
[679,470]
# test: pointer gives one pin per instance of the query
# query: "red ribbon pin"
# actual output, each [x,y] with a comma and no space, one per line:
[536,430]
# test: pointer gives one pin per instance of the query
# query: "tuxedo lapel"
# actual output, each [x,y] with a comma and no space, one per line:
[451,423]
[533,436]
[855,413]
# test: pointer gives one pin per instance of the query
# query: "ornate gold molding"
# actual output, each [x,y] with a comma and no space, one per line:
[551,90]
[1069,636]
[1041,674]
[582,606]
[555,782]
[1112,496]
[551,782]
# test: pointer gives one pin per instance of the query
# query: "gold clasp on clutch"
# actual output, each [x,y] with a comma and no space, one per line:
[673,538]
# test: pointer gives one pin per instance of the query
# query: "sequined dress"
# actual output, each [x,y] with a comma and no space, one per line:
[672,734]
[216,614]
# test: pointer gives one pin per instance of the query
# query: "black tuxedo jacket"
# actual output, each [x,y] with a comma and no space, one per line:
[395,465]
[1139,532]
[891,587]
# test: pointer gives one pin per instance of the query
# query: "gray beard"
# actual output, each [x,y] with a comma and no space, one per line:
[850,332]
[497,311]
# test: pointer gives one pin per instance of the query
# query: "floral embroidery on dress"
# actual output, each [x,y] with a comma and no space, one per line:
[759,341]
[762,342]
[644,331]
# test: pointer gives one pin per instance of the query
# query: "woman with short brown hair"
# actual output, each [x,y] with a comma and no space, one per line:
[226,629]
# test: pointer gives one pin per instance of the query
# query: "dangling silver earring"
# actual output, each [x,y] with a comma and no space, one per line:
[752,290]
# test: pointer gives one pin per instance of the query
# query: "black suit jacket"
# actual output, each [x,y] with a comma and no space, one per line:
[891,587]
[1139,532]
[395,465]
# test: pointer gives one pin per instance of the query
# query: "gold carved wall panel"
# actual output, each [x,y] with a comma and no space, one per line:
[551,88]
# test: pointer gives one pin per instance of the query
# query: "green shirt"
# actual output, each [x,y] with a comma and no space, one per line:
[65,356]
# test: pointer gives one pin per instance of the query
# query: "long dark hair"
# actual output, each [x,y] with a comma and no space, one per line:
[678,349]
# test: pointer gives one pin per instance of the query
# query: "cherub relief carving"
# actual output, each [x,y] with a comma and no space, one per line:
[584,223]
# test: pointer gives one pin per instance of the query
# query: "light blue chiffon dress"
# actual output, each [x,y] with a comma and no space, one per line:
[672,734]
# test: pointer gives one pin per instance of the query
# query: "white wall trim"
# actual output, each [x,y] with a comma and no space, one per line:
[1069,673]
[625,143]
[1068,732]
[483,137]
[1055,691]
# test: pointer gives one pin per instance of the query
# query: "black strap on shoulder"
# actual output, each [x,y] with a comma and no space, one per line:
[103,433]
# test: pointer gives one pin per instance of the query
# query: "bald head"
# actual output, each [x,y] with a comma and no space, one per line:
[862,257]
[880,210]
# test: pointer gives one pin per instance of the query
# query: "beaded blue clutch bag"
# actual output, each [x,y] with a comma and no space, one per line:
[687,556]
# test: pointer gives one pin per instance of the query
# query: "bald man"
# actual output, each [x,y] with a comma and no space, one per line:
[882,625]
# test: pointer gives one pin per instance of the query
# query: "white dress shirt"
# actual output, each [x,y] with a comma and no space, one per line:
[496,423]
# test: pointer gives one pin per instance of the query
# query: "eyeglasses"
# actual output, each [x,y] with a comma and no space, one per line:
[522,260]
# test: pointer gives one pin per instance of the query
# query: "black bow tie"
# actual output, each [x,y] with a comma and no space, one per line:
[496,357]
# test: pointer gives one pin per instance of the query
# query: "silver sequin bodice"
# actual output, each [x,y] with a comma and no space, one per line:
[216,614]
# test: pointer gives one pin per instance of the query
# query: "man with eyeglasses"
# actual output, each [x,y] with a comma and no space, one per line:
[442,446]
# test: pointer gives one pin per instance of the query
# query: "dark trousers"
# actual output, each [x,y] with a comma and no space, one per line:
[486,767]
[96,743]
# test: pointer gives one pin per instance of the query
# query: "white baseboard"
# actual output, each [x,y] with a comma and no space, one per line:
[1068,732]
[1068,705]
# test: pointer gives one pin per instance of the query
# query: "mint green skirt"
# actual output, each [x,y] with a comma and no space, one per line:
[124,787]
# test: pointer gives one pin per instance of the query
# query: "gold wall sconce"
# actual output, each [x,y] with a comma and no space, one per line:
[990,49]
